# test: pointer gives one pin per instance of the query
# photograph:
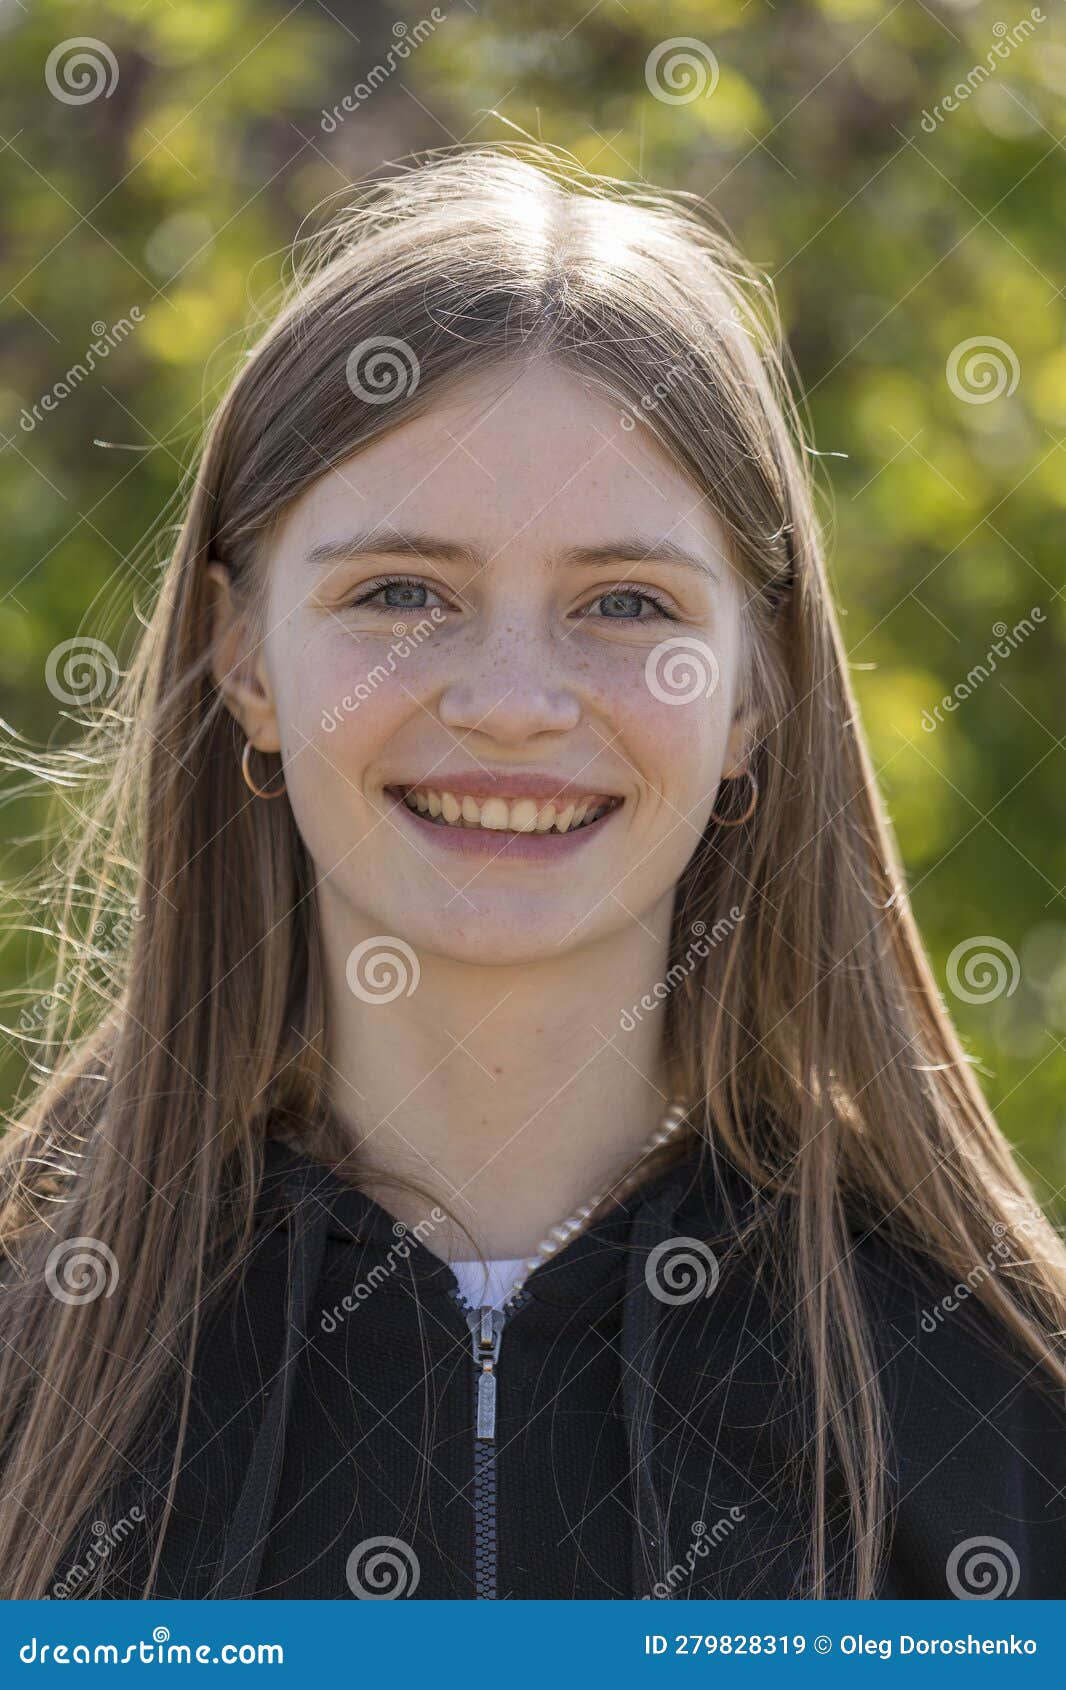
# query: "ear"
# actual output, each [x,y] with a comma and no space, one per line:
[238,664]
[741,743]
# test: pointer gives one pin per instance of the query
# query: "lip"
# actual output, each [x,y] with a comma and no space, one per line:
[483,783]
[499,842]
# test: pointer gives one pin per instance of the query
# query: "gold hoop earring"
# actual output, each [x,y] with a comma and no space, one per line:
[735,821]
[260,791]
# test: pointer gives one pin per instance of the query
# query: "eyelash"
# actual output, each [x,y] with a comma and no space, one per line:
[642,593]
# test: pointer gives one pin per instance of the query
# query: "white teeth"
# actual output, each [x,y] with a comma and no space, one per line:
[495,813]
[523,815]
[517,815]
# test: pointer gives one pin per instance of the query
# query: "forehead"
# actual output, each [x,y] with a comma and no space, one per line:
[509,460]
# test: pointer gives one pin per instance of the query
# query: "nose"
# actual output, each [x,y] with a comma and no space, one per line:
[507,690]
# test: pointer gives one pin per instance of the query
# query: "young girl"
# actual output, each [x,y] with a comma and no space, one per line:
[523,1151]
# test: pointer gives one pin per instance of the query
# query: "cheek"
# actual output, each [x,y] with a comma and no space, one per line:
[678,748]
[342,695]
[340,704]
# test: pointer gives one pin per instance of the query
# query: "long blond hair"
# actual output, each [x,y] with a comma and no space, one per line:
[815,1045]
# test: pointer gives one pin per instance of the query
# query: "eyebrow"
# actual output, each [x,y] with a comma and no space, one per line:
[391,543]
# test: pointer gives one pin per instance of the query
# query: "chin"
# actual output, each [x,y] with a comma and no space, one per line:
[493,938]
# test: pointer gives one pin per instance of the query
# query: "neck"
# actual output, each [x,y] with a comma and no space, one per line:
[505,1096]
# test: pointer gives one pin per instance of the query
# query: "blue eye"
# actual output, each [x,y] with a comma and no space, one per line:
[404,585]
[633,595]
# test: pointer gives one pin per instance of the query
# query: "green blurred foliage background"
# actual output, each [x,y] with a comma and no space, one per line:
[894,228]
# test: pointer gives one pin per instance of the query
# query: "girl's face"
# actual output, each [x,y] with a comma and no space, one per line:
[561,620]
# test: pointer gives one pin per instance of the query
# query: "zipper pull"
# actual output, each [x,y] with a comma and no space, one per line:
[486,1332]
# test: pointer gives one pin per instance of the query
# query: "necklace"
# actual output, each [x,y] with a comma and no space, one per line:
[672,1118]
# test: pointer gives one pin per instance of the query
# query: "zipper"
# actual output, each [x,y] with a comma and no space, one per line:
[486,1326]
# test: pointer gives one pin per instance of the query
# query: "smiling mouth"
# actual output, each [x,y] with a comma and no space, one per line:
[504,815]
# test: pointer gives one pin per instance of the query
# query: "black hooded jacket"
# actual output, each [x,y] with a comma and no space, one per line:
[646,1419]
